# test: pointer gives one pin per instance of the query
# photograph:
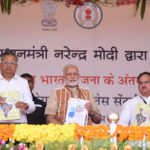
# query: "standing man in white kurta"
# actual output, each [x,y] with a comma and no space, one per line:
[128,112]
[10,81]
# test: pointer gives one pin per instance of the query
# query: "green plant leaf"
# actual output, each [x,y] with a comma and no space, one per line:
[2,6]
[137,4]
[5,3]
[6,6]
[143,7]
[9,6]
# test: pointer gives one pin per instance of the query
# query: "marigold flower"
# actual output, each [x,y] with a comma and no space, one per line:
[102,148]
[71,147]
[39,146]
[6,131]
[114,147]
[127,147]
[84,147]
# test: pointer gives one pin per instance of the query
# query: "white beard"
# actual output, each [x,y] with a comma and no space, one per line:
[72,83]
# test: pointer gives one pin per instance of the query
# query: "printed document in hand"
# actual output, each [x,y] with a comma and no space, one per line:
[8,110]
[76,112]
[142,117]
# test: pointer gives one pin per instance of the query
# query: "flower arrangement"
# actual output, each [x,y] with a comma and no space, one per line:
[68,137]
[43,133]
[6,4]
[6,131]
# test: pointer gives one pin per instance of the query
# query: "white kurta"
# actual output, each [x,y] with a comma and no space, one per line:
[128,112]
[21,86]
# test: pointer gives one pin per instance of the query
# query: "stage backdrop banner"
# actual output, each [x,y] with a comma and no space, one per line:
[110,55]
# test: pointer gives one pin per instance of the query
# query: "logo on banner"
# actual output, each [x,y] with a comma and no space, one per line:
[49,11]
[89,15]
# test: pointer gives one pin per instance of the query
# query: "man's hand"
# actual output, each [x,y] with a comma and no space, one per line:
[88,107]
[52,119]
[95,117]
[22,105]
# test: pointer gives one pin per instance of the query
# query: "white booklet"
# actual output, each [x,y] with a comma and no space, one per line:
[76,112]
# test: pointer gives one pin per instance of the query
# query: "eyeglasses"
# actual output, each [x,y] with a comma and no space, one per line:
[72,74]
[145,82]
[9,63]
[30,81]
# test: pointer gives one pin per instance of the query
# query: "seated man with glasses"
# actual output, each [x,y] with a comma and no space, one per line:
[131,108]
[57,103]
[14,91]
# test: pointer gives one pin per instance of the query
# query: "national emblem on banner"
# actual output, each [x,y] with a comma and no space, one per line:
[89,15]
